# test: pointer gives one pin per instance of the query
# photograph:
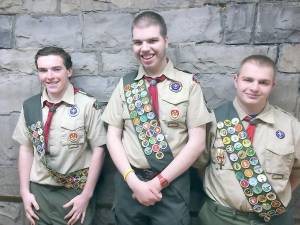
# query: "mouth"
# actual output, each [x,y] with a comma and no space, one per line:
[252,96]
[147,57]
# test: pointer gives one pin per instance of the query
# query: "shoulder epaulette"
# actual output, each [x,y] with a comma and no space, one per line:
[99,105]
[197,78]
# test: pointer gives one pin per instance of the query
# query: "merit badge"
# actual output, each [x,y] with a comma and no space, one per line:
[261,198]
[174,114]
[73,136]
[253,200]
[236,166]
[233,157]
[248,172]
[257,189]
[262,178]
[280,134]
[248,192]
[245,163]
[159,155]
[74,111]
[175,86]
[220,157]
[258,169]
[252,181]
[235,121]
[244,183]
[220,125]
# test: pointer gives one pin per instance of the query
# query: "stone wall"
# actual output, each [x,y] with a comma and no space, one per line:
[210,37]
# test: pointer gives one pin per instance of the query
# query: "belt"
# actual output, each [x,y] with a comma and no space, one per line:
[220,208]
[145,174]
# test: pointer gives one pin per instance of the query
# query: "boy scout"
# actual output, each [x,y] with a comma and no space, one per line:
[61,137]
[254,151]
[156,130]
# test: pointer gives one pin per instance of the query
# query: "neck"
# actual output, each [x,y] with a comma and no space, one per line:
[251,109]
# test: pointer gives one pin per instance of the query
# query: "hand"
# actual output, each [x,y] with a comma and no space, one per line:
[143,192]
[79,205]
[28,202]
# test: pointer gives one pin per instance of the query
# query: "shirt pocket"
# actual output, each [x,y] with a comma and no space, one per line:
[278,161]
[173,110]
[72,135]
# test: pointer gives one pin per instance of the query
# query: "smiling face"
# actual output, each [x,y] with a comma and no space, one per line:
[253,86]
[53,75]
[149,47]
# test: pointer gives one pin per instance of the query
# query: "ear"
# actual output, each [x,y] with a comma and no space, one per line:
[235,80]
[167,41]
[70,72]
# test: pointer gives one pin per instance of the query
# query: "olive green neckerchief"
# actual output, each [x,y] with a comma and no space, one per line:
[33,117]
[146,124]
[245,163]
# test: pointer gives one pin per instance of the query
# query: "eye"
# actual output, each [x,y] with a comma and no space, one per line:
[42,70]
[56,69]
[137,42]
[264,82]
[152,41]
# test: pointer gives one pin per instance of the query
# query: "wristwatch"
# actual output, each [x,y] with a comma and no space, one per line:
[163,181]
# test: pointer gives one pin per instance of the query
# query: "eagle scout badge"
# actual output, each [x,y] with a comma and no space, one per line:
[74,111]
[280,134]
[175,86]
[220,157]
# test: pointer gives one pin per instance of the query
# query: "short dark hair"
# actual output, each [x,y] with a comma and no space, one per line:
[52,50]
[261,60]
[147,18]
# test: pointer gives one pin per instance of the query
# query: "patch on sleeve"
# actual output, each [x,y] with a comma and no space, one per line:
[99,105]
[196,77]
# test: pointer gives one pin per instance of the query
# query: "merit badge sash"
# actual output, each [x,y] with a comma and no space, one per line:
[146,124]
[33,117]
[245,163]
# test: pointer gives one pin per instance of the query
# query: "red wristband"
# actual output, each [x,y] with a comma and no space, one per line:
[163,181]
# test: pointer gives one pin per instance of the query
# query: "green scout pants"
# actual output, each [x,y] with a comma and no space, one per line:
[172,209]
[51,199]
[212,213]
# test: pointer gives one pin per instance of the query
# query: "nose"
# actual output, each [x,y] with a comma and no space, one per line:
[255,86]
[49,74]
[145,46]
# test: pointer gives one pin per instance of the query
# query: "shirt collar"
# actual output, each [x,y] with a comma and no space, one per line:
[168,71]
[267,115]
[68,96]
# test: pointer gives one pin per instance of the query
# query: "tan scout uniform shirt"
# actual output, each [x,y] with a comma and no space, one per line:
[66,156]
[278,157]
[189,102]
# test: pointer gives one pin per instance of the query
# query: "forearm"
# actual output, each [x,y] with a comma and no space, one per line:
[24,168]
[187,156]
[94,171]
[116,149]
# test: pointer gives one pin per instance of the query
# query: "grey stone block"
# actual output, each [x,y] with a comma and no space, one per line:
[85,63]
[6,31]
[216,59]
[9,181]
[289,58]
[217,89]
[11,6]
[286,92]
[17,61]
[11,213]
[37,31]
[9,149]
[41,6]
[239,23]
[278,22]
[14,90]
[123,60]
[194,24]
[70,6]
[100,30]
[99,87]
